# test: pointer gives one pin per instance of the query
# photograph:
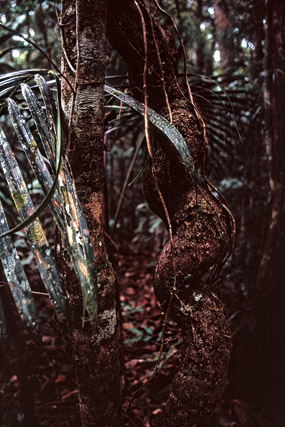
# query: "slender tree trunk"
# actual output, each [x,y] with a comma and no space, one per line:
[258,35]
[200,56]
[224,37]
[274,104]
[95,356]
[270,279]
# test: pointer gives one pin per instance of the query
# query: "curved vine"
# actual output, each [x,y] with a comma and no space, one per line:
[201,224]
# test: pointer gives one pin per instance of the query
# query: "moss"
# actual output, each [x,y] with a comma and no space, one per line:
[33,144]
[106,276]
[19,199]
[37,234]
[33,147]
[64,195]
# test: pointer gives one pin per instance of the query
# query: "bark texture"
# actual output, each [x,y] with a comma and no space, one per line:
[270,279]
[95,356]
[201,223]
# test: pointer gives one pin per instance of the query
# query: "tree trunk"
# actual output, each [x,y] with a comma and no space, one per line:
[200,222]
[95,356]
[270,279]
[258,36]
[274,105]
[225,41]
[200,54]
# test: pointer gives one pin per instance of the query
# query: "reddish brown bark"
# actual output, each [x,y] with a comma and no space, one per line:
[125,34]
[200,223]
[95,356]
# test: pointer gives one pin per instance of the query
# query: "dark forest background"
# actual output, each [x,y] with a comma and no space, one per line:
[236,76]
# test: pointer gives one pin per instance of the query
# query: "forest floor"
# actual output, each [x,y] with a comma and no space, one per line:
[41,381]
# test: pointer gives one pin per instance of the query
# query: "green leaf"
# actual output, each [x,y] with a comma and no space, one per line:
[35,234]
[36,160]
[40,122]
[10,82]
[17,280]
[58,158]
[65,204]
[75,232]
[50,107]
[60,193]
[170,131]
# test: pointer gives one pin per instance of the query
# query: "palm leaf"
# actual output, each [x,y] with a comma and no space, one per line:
[75,234]
[64,202]
[10,82]
[17,280]
[58,157]
[173,135]
[3,327]
[38,116]
[35,234]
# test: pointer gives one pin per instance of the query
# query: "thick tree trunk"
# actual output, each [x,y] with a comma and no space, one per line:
[200,223]
[95,356]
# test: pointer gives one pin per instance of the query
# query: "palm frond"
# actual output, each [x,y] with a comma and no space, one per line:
[17,280]
[3,327]
[35,234]
[63,201]
[174,137]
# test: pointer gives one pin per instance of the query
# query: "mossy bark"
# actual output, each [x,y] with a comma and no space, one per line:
[185,270]
[96,357]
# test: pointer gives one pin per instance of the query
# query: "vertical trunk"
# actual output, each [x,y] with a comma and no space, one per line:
[258,37]
[265,344]
[200,224]
[270,279]
[274,107]
[224,37]
[200,57]
[95,357]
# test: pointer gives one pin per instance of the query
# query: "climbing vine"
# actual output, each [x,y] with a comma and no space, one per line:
[200,224]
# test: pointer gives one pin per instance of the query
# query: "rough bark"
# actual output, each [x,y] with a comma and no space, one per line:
[125,34]
[95,356]
[200,222]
